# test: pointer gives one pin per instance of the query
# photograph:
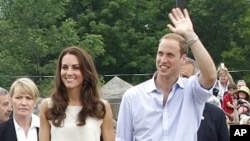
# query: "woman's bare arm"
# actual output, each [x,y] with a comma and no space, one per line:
[107,125]
[44,131]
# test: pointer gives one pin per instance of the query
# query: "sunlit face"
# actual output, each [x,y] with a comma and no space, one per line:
[5,108]
[223,77]
[71,74]
[187,70]
[168,59]
[22,104]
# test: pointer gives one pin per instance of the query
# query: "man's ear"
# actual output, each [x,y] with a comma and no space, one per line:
[183,59]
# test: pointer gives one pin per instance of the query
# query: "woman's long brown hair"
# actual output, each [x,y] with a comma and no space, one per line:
[90,98]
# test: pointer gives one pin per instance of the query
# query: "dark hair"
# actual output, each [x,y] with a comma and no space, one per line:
[90,98]
[231,86]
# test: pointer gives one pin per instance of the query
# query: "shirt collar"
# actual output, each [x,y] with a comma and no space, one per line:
[35,122]
[152,87]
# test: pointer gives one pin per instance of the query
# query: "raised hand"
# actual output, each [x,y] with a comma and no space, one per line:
[182,23]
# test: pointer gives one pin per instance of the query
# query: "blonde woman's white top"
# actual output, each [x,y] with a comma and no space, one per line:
[32,133]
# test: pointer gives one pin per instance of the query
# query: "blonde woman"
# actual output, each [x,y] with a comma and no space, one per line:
[24,125]
[224,79]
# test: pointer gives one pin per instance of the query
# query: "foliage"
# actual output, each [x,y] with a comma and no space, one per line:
[121,35]
[224,28]
[33,33]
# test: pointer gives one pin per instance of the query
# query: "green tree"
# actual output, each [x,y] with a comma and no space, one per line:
[34,33]
[224,28]
[122,35]
[130,29]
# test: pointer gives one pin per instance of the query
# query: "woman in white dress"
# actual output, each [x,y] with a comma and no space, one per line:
[75,112]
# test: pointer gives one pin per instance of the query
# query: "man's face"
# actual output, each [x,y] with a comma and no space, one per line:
[187,70]
[5,108]
[169,59]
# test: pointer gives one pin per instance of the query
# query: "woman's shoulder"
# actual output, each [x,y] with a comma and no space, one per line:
[47,102]
[106,103]
[104,100]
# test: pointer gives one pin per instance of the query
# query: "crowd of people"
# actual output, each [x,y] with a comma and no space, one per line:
[235,103]
[184,100]
[234,97]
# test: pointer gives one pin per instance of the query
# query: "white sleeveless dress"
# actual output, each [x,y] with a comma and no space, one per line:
[69,131]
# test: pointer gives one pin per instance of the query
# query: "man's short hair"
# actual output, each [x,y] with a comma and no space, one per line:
[182,42]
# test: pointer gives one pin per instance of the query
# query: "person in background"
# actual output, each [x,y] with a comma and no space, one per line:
[213,125]
[241,83]
[37,107]
[243,104]
[228,104]
[215,101]
[5,107]
[164,107]
[225,78]
[24,125]
[244,118]
[75,111]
